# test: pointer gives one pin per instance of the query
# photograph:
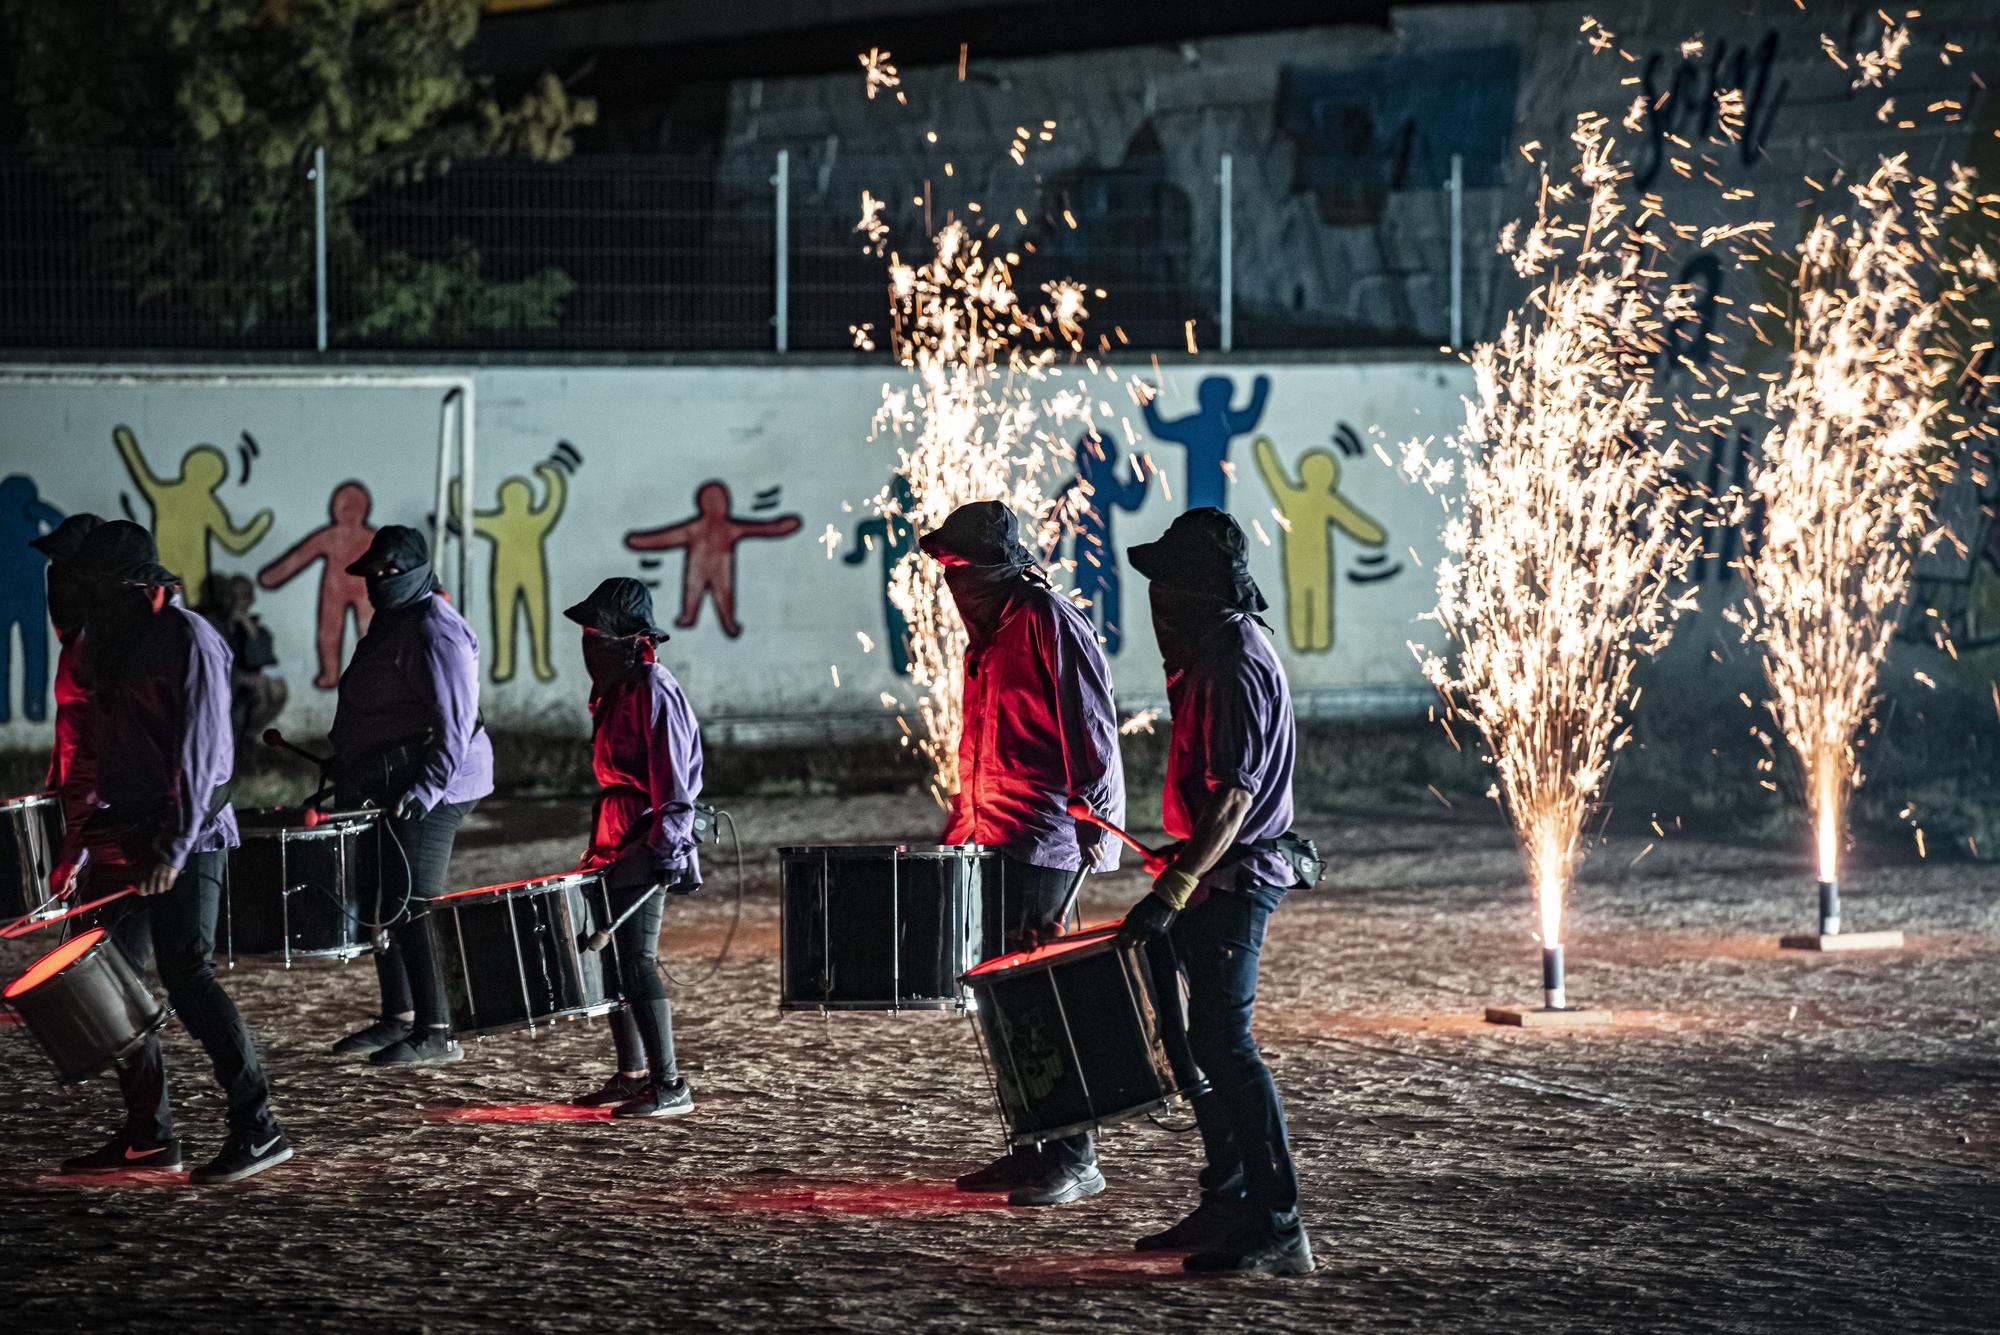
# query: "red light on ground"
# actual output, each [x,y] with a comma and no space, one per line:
[1060,946]
[877,1197]
[53,963]
[518,1112]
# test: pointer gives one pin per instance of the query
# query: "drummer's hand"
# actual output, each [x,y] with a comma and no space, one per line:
[408,807]
[62,881]
[1148,919]
[159,880]
[1155,863]
[1090,842]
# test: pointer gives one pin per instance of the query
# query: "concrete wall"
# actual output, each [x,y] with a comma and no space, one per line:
[572,465]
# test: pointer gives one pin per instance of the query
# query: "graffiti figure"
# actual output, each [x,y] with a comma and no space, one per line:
[1206,434]
[1313,507]
[519,531]
[710,536]
[187,514]
[1088,500]
[24,595]
[339,543]
[891,537]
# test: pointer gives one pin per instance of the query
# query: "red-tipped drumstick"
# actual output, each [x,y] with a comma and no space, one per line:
[276,740]
[1081,811]
[29,923]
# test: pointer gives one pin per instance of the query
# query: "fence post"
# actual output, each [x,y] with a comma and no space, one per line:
[319,245]
[1457,251]
[781,314]
[1226,179]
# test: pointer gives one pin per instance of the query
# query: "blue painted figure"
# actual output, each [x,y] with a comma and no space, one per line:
[24,595]
[1206,434]
[1088,500]
[891,540]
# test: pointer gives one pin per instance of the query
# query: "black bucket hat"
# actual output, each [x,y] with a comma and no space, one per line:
[618,607]
[982,533]
[62,543]
[396,549]
[1202,551]
[121,552]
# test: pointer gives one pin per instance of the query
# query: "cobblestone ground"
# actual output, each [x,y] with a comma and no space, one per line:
[1760,1140]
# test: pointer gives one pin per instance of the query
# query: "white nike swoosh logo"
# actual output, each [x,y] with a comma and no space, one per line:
[144,1154]
[259,1151]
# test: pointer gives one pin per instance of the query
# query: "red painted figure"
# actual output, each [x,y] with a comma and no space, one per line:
[710,538]
[339,543]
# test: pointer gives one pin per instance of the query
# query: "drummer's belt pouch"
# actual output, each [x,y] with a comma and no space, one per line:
[704,821]
[1300,854]
[384,773]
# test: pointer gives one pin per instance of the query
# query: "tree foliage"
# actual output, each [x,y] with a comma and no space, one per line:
[215,107]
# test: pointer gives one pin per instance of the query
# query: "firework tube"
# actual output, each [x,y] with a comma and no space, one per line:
[28,923]
[1829,908]
[1081,811]
[1554,994]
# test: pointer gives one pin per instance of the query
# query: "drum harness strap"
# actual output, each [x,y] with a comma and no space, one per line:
[707,818]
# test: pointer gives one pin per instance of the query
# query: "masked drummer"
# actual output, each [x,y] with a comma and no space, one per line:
[1040,730]
[69,599]
[645,749]
[159,746]
[407,738]
[1228,799]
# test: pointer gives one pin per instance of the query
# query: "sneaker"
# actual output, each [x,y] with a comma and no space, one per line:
[122,1156]
[1213,1222]
[1059,1186]
[433,1047]
[620,1088]
[364,1042]
[243,1156]
[675,1100]
[1015,1168]
[1263,1252]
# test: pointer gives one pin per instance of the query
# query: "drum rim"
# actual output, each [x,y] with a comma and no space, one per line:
[846,852]
[150,1028]
[1095,941]
[567,1015]
[272,833]
[7,994]
[26,800]
[532,885]
[1161,1104]
[876,1006]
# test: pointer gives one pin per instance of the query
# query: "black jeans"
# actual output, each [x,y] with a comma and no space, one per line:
[179,928]
[1032,896]
[1218,946]
[408,969]
[642,1028]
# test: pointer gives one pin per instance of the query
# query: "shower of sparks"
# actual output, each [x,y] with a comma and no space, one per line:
[881,76]
[1846,478]
[1142,721]
[971,428]
[873,225]
[1563,542]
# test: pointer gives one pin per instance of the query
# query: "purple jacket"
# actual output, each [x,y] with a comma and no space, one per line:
[1233,728]
[1040,728]
[157,751]
[645,748]
[416,672]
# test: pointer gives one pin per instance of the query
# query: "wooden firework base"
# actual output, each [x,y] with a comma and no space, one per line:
[1842,941]
[1548,1017]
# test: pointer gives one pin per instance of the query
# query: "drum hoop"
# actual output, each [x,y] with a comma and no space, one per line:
[526,889]
[878,1005]
[29,801]
[567,1014]
[873,852]
[1104,941]
[1161,1104]
[285,833]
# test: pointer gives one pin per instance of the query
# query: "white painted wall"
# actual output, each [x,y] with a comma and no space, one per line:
[786,441]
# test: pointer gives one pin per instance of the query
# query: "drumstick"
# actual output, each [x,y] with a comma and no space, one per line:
[276,740]
[14,929]
[598,940]
[313,819]
[1081,810]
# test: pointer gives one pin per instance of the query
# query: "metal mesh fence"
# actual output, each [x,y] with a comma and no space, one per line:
[614,254]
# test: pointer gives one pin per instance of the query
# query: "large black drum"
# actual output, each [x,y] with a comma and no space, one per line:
[31,831]
[299,892]
[1073,1036]
[883,927]
[512,955]
[85,1004]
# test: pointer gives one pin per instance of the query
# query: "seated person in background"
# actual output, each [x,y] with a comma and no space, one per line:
[257,691]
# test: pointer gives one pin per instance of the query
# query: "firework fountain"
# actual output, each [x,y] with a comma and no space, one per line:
[1564,539]
[1845,481]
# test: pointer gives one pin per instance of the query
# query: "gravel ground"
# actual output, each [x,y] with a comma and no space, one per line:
[1759,1141]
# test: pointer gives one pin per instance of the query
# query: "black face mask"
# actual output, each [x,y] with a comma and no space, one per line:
[1182,620]
[69,601]
[982,594]
[390,593]
[610,659]
[118,618]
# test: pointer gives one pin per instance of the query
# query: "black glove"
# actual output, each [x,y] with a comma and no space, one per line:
[1149,918]
[408,807]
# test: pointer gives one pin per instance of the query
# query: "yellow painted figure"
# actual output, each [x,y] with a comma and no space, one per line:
[186,511]
[1313,507]
[519,531]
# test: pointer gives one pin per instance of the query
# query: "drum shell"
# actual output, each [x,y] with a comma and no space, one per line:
[31,832]
[511,956]
[1075,1040]
[92,1013]
[301,894]
[881,927]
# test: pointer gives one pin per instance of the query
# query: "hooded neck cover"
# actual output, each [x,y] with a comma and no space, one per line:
[393,593]
[1183,620]
[69,599]
[610,659]
[983,594]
